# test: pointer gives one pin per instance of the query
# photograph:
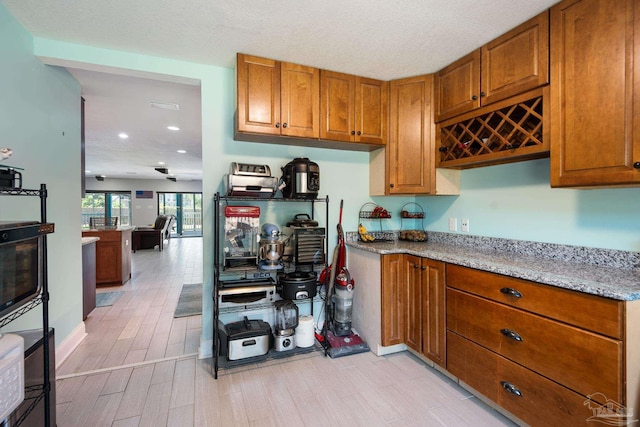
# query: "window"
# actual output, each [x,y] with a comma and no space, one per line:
[101,204]
[186,207]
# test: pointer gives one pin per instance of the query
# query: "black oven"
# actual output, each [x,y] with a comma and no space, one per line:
[20,262]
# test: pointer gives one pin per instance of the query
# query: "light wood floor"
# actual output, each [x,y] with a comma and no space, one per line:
[138,367]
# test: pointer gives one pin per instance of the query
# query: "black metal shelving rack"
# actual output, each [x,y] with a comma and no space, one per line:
[34,394]
[216,251]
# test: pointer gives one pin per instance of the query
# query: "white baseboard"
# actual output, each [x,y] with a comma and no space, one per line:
[379,350]
[206,349]
[69,344]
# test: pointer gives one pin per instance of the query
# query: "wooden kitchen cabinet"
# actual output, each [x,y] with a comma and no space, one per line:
[425,307]
[516,342]
[393,289]
[277,98]
[407,164]
[353,109]
[113,255]
[595,125]
[511,64]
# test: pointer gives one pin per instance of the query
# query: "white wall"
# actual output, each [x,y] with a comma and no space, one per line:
[144,211]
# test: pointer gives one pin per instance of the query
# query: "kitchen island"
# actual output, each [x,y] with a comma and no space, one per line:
[113,255]
[526,326]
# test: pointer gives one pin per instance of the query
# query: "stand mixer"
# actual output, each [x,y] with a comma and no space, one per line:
[271,248]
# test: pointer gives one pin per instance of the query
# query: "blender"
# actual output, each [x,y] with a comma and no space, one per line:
[285,323]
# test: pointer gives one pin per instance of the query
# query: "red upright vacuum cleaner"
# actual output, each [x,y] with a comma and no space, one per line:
[340,287]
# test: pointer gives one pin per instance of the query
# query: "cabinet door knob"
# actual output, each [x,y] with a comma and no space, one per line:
[278,125]
[482,94]
[423,267]
[391,185]
[511,334]
[353,132]
[474,97]
[636,165]
[415,266]
[512,292]
[442,149]
[359,133]
[284,125]
[510,388]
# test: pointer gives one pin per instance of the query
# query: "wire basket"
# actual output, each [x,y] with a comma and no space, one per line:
[369,212]
[412,211]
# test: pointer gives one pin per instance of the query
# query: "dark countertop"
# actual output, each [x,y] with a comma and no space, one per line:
[610,282]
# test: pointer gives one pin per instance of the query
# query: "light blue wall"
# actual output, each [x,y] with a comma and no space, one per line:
[511,201]
[40,121]
[515,201]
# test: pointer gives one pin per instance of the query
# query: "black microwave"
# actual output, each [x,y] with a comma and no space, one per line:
[21,266]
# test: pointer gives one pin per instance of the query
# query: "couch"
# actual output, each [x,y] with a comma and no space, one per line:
[150,237]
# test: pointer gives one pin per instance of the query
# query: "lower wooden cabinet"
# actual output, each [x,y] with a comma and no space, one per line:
[413,304]
[392,300]
[534,349]
[113,255]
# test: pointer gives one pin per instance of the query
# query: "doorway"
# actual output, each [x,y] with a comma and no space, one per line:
[187,208]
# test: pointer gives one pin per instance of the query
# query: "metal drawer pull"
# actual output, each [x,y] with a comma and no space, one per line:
[511,388]
[511,334]
[512,292]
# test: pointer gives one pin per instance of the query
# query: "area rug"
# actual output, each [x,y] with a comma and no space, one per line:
[190,301]
[105,299]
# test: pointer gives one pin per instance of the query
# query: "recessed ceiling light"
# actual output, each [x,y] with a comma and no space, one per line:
[161,163]
[165,105]
[182,151]
[87,171]
[123,135]
[173,128]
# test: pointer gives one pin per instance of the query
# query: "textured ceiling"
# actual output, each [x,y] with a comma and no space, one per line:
[378,39]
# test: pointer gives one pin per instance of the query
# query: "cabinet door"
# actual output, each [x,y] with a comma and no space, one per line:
[434,327]
[457,87]
[411,156]
[337,108]
[516,61]
[594,102]
[413,302]
[300,101]
[392,299]
[371,110]
[258,94]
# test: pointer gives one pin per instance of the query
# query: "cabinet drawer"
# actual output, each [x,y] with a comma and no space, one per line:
[598,314]
[542,402]
[581,360]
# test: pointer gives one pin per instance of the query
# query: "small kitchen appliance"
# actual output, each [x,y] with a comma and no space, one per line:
[284,329]
[247,180]
[306,241]
[241,226]
[297,285]
[244,339]
[246,292]
[271,248]
[300,179]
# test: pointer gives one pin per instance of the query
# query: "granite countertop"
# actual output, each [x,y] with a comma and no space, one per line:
[607,273]
[87,240]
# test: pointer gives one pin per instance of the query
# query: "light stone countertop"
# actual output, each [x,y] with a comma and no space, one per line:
[590,272]
[87,240]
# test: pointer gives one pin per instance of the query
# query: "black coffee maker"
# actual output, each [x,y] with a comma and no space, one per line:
[300,179]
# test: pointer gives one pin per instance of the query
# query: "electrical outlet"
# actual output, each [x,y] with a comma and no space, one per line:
[464,225]
[453,224]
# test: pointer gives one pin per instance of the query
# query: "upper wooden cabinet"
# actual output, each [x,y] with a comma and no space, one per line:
[277,98]
[353,109]
[511,64]
[595,105]
[409,158]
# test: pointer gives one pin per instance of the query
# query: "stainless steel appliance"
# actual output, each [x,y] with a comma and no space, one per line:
[247,180]
[244,339]
[301,179]
[271,248]
[306,241]
[286,320]
[246,292]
